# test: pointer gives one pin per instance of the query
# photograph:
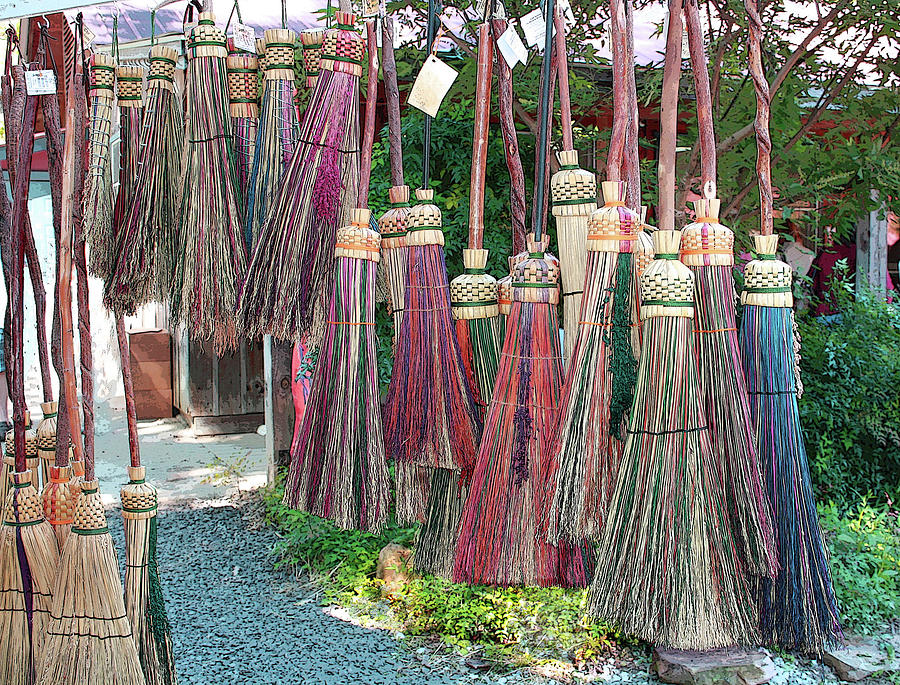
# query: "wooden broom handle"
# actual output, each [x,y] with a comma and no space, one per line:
[565,103]
[84,337]
[632,159]
[617,32]
[365,157]
[510,143]
[134,447]
[703,94]
[761,124]
[668,119]
[392,95]
[483,76]
[541,205]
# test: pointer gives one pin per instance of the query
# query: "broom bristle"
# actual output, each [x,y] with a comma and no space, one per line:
[29,557]
[89,637]
[643,255]
[435,538]
[144,605]
[498,538]
[213,256]
[338,470]
[59,502]
[668,569]
[292,267]
[798,609]
[707,248]
[582,454]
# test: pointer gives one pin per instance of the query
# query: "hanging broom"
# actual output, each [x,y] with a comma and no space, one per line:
[212,257]
[144,602]
[147,236]
[28,551]
[293,257]
[498,539]
[311,45]
[338,470]
[99,200]
[89,637]
[708,249]
[798,610]
[584,449]
[243,103]
[277,134]
[574,197]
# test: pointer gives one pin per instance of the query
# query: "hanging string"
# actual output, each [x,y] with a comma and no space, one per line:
[115,38]
[152,27]
[45,39]
[540,198]
[235,9]
[283,14]
[433,10]
[79,36]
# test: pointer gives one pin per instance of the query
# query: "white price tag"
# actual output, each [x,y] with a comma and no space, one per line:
[243,37]
[511,46]
[533,25]
[432,85]
[41,82]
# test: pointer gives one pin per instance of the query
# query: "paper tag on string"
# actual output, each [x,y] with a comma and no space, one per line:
[88,35]
[533,25]
[511,46]
[432,85]
[41,82]
[243,37]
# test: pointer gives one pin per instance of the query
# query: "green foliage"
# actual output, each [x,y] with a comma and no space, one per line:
[850,408]
[224,472]
[865,562]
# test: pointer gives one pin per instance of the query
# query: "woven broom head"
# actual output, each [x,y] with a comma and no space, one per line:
[30,506]
[46,430]
[424,226]
[473,294]
[139,498]
[280,45]
[573,190]
[206,39]
[504,285]
[77,475]
[261,53]
[643,248]
[706,242]
[393,223]
[536,278]
[311,41]
[243,90]
[103,76]
[667,285]
[768,281]
[343,48]
[31,443]
[357,240]
[89,511]
[58,498]
[613,227]
[162,68]
[130,86]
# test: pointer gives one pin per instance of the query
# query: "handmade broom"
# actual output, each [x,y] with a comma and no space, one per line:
[668,570]
[798,608]
[338,470]
[99,200]
[582,454]
[89,637]
[708,249]
[498,539]
[28,551]
[311,46]
[243,104]
[148,235]
[212,256]
[144,603]
[278,130]
[573,192]
[292,265]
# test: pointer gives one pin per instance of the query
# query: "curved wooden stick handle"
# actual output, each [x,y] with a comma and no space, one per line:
[705,124]
[632,162]
[565,103]
[620,124]
[668,119]
[480,136]
[761,124]
[365,157]
[392,95]
[134,446]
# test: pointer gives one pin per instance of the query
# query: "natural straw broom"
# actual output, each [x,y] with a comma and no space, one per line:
[293,257]
[583,451]
[212,255]
[311,45]
[498,540]
[243,104]
[99,200]
[798,609]
[144,603]
[28,551]
[339,470]
[148,236]
[89,637]
[707,247]
[574,198]
[276,136]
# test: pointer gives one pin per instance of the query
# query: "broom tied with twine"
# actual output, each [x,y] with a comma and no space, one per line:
[292,266]
[212,257]
[243,104]
[311,46]
[148,234]
[338,469]
[797,610]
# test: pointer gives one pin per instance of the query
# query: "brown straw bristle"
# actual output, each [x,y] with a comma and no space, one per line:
[89,637]
[29,557]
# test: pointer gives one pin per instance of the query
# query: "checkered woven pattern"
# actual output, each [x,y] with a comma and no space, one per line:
[103,76]
[393,222]
[57,499]
[30,507]
[425,220]
[162,68]
[311,40]
[667,285]
[343,49]
[571,187]
[89,513]
[768,281]
[707,242]
[536,278]
[139,498]
[261,53]
[206,39]
[31,441]
[643,253]
[357,240]
[242,77]
[613,227]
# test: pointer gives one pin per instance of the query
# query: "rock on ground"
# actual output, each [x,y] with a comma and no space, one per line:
[713,667]
[860,658]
